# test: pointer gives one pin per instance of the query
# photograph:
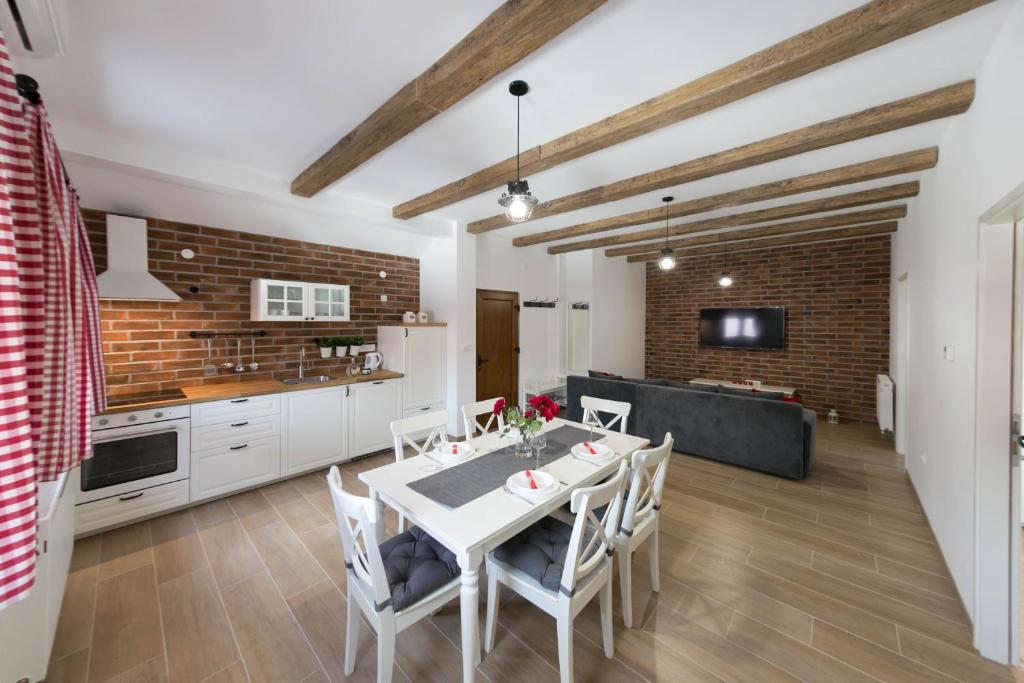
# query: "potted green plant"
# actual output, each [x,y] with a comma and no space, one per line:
[357,345]
[341,346]
[325,344]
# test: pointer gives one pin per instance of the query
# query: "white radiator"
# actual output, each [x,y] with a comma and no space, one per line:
[883,396]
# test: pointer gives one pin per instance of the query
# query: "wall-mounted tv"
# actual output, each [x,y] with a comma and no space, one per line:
[743,328]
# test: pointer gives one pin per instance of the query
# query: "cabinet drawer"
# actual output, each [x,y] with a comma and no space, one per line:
[100,514]
[235,409]
[233,433]
[423,409]
[216,471]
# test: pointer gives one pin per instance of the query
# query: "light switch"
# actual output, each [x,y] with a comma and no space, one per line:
[948,353]
[383,298]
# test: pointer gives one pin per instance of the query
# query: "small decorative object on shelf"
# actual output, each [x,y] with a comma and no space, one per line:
[326,346]
[521,427]
[833,416]
[409,317]
[422,317]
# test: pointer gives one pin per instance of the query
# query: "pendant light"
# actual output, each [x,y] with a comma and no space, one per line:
[725,280]
[518,202]
[667,260]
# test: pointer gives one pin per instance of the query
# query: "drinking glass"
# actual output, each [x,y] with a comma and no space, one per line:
[540,442]
[591,422]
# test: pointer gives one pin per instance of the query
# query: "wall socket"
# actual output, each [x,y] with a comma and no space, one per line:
[924,457]
[383,298]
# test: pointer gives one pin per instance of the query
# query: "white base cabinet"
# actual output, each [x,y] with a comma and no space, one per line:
[313,429]
[216,471]
[371,409]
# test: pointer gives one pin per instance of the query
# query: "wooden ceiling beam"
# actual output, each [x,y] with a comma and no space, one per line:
[511,32]
[836,203]
[910,111]
[786,240]
[793,227]
[897,164]
[862,29]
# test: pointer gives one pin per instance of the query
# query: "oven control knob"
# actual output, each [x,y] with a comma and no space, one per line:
[133,418]
[158,413]
[103,421]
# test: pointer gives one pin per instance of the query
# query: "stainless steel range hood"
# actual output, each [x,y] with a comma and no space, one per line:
[127,275]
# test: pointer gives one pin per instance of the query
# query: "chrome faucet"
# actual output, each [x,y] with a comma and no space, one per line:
[302,362]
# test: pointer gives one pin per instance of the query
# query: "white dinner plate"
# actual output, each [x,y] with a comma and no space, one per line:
[519,483]
[602,454]
[452,454]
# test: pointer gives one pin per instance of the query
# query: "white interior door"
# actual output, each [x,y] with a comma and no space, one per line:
[1017,401]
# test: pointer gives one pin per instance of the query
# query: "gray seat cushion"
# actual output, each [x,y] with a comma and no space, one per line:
[539,551]
[416,565]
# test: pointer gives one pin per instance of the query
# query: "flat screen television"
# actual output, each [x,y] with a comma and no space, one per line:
[743,328]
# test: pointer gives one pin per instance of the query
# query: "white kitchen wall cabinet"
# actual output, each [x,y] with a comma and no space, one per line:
[418,352]
[285,300]
[372,406]
[313,429]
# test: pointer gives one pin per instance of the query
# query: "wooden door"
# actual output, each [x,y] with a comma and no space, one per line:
[497,345]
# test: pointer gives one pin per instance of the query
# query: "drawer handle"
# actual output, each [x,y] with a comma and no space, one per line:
[239,424]
[238,448]
[379,382]
[425,408]
[239,400]
[132,496]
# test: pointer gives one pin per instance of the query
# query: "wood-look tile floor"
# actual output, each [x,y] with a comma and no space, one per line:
[835,578]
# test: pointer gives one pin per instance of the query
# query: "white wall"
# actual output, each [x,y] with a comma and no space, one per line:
[981,161]
[531,272]
[617,313]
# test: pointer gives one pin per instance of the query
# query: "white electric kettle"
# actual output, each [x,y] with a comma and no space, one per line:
[373,360]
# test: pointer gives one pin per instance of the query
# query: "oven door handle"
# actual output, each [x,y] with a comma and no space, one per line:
[131,435]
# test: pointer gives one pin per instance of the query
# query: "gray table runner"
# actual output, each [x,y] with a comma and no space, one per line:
[456,486]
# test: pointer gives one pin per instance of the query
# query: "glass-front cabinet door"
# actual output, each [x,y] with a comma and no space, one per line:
[330,302]
[279,300]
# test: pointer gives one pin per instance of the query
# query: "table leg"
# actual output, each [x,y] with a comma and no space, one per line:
[469,595]
[381,518]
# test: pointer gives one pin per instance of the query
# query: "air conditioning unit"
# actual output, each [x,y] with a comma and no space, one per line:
[35,28]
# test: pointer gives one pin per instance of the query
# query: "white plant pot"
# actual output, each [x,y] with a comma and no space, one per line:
[325,351]
[341,351]
[353,350]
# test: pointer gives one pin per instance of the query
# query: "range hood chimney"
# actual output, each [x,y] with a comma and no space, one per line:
[127,275]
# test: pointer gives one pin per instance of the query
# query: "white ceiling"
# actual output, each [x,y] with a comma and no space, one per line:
[267,86]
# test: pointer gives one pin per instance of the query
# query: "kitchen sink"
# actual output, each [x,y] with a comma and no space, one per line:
[312,379]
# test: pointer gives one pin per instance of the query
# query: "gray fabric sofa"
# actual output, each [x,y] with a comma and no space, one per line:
[762,434]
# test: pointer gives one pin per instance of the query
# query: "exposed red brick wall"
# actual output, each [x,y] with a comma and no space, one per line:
[836,296]
[146,345]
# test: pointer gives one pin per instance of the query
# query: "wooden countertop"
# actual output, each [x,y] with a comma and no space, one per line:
[258,387]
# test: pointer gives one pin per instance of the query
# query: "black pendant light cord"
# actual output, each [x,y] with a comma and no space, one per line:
[666,225]
[517,138]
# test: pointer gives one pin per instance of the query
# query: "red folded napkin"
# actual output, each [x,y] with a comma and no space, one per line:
[533,484]
[590,448]
[455,449]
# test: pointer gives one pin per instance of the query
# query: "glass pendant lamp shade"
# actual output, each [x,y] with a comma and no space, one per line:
[725,280]
[518,203]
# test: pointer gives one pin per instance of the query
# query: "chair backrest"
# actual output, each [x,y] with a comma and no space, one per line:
[357,517]
[619,411]
[646,484]
[593,537]
[470,413]
[401,430]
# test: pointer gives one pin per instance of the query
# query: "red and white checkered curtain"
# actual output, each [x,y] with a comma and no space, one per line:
[51,371]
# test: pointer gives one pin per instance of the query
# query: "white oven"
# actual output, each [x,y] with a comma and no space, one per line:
[135,451]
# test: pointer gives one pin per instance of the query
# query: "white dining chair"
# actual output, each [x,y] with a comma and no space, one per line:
[640,517]
[417,432]
[592,407]
[560,568]
[470,413]
[392,591]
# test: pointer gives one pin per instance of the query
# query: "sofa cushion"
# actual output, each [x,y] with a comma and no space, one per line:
[708,388]
[603,375]
[539,551]
[750,393]
[416,565]
[653,382]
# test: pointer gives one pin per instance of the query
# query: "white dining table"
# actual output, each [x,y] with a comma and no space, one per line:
[473,529]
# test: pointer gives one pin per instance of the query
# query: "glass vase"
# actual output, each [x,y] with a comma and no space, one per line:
[524,444]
